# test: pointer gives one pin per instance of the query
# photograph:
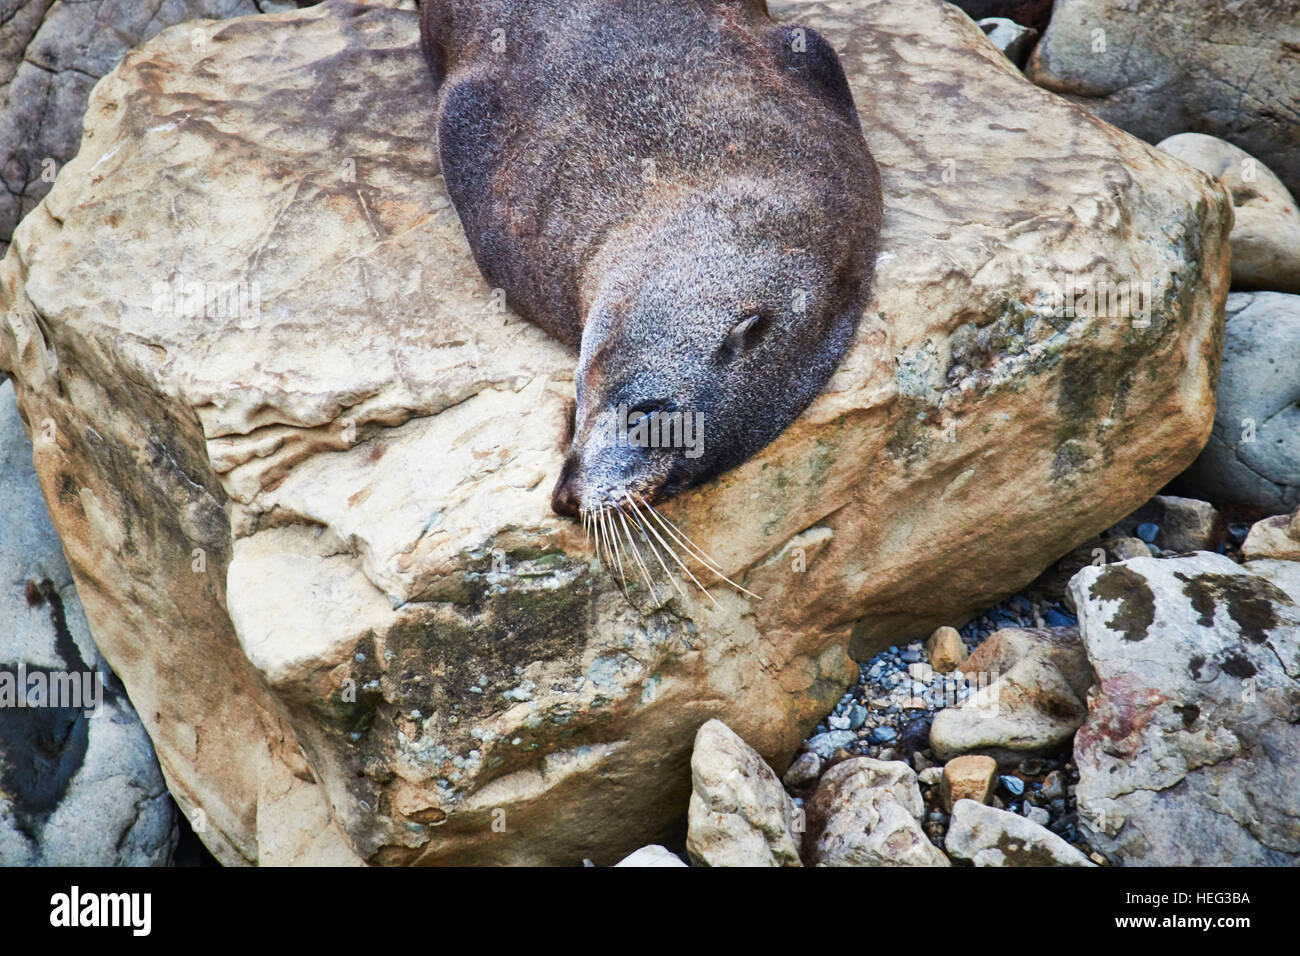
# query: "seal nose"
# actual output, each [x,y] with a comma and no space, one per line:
[566,498]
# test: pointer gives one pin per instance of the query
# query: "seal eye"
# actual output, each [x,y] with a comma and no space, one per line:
[744,335]
[645,409]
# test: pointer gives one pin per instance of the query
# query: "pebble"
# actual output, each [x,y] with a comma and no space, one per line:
[839,723]
[1148,531]
[857,716]
[1013,785]
[883,735]
[915,734]
[1053,786]
[1037,815]
[807,767]
[824,745]
[1055,618]
[930,776]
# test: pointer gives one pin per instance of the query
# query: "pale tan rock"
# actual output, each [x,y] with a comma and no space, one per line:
[1125,548]
[945,650]
[972,777]
[1265,237]
[314,540]
[739,815]
[1030,686]
[987,836]
[868,812]
[1276,537]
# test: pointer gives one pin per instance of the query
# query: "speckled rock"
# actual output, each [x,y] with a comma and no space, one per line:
[1030,699]
[868,813]
[1252,457]
[79,785]
[986,836]
[739,813]
[314,537]
[1266,229]
[945,650]
[972,777]
[1161,67]
[1184,757]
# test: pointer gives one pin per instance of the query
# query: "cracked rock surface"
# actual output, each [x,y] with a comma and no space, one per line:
[51,53]
[1189,752]
[312,528]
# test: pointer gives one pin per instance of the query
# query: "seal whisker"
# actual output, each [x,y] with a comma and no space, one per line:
[671,553]
[618,556]
[645,571]
[655,551]
[602,538]
[694,549]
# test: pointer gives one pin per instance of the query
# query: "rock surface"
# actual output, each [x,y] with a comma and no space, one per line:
[739,815]
[75,790]
[868,813]
[1266,229]
[51,53]
[312,531]
[1253,455]
[986,836]
[1161,67]
[1188,754]
[1032,686]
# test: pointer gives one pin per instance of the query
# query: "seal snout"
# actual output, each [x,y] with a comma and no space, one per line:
[566,499]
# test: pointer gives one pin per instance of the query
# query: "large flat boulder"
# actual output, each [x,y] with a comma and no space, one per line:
[309,514]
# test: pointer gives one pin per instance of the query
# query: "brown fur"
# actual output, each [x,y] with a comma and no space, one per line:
[678,188]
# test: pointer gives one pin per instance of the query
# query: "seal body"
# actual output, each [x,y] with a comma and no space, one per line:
[680,189]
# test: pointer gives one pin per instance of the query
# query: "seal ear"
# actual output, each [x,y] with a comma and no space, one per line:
[435,20]
[743,336]
[806,53]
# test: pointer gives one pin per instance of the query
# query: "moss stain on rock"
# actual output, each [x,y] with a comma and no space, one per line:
[1137,608]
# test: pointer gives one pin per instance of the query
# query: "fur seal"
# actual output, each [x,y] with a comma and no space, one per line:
[681,190]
